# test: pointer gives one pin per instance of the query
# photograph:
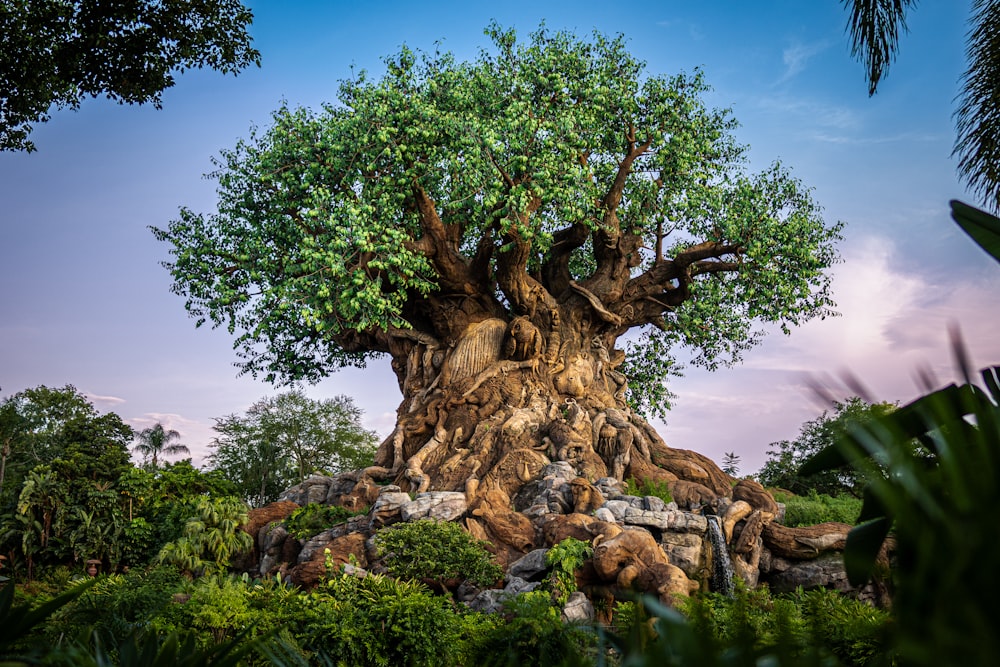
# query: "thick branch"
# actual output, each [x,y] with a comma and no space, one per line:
[436,244]
[555,271]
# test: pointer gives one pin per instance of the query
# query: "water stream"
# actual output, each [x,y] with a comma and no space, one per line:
[722,567]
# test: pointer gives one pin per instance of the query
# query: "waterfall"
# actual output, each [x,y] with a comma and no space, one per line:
[722,567]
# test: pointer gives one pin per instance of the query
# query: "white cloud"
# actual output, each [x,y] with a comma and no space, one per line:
[105,402]
[797,56]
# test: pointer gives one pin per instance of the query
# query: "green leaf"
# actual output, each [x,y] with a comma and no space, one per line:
[983,227]
[863,545]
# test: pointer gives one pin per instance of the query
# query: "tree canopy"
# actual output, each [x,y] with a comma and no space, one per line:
[786,457]
[282,439]
[59,52]
[549,174]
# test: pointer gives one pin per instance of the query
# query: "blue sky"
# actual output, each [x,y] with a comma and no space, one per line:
[83,299]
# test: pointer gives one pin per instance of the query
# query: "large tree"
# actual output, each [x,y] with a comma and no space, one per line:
[56,53]
[520,235]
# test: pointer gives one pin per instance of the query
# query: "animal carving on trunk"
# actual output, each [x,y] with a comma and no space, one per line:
[523,340]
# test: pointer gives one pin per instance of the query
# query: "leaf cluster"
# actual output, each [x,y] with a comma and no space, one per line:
[56,54]
[437,550]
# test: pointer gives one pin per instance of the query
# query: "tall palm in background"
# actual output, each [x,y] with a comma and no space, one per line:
[156,441]
[875,26]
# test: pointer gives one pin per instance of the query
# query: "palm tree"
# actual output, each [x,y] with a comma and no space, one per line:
[874,27]
[156,441]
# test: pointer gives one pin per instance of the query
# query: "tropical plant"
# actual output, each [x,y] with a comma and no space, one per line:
[563,560]
[648,487]
[936,501]
[437,550]
[212,537]
[156,441]
[874,27]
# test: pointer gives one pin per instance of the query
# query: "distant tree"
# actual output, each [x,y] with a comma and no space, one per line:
[786,456]
[731,463]
[59,52]
[156,441]
[874,27]
[282,439]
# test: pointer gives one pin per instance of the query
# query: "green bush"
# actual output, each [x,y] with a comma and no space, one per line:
[436,550]
[314,518]
[815,508]
[377,620]
[534,634]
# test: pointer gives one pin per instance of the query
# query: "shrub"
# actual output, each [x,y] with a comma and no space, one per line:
[314,518]
[436,550]
[378,620]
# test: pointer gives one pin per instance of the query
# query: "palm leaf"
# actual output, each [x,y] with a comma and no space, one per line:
[983,227]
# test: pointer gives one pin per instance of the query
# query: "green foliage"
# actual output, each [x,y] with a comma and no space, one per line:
[437,550]
[211,538]
[545,160]
[533,635]
[815,508]
[283,439]
[314,518]
[648,487]
[564,559]
[936,498]
[378,620]
[731,464]
[60,53]
[782,468]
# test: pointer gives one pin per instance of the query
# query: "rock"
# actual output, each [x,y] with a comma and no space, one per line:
[749,536]
[610,486]
[517,585]
[655,504]
[756,495]
[668,581]
[676,521]
[344,550]
[826,571]
[511,532]
[530,567]
[264,516]
[387,508]
[489,601]
[271,542]
[438,505]
[805,542]
[604,514]
[686,551]
[578,609]
[617,508]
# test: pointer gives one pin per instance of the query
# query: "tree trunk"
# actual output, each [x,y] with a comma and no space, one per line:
[490,409]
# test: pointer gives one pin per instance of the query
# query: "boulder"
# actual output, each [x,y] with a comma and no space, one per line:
[686,551]
[387,508]
[633,548]
[578,609]
[755,495]
[437,505]
[530,567]
[344,550]
[676,521]
[735,511]
[825,571]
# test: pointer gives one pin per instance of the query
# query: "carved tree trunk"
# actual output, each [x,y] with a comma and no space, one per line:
[489,409]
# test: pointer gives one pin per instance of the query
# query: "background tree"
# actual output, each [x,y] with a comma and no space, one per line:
[786,457]
[496,227]
[874,27]
[57,53]
[283,439]
[156,441]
